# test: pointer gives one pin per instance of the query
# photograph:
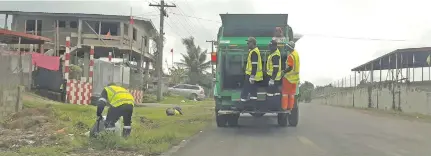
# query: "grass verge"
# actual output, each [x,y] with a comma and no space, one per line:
[49,128]
[173,99]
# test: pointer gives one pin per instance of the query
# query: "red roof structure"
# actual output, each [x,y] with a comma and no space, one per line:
[12,37]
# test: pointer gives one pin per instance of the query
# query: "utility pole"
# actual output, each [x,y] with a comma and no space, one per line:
[159,69]
[212,66]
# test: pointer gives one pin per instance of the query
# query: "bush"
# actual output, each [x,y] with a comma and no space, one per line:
[75,72]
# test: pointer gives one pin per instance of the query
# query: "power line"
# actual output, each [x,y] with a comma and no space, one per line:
[195,17]
[356,38]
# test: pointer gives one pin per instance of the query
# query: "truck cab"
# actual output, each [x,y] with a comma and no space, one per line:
[231,59]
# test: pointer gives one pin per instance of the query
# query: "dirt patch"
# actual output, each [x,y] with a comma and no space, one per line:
[31,126]
[29,119]
[148,123]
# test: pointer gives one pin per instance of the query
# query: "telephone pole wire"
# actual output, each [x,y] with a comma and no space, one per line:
[212,65]
[159,62]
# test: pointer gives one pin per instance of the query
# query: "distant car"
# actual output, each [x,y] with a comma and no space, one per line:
[187,90]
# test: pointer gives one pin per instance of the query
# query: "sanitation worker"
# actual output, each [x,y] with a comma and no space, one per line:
[291,77]
[120,103]
[273,72]
[174,111]
[253,71]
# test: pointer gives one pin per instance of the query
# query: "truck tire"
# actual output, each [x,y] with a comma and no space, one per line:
[257,115]
[233,120]
[221,120]
[294,115]
[282,119]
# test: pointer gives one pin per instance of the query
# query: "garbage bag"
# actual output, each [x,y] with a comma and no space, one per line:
[99,126]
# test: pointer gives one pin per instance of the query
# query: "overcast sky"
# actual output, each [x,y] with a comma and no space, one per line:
[338,33]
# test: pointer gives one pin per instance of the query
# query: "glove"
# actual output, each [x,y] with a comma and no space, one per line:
[271,82]
[99,118]
[251,79]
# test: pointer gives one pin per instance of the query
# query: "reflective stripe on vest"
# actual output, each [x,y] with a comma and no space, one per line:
[293,75]
[270,66]
[118,96]
[259,73]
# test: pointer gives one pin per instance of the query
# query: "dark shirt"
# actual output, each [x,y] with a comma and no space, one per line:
[254,58]
[275,60]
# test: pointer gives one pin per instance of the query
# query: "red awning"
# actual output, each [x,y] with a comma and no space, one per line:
[12,37]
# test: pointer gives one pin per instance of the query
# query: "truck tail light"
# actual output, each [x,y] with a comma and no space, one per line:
[214,57]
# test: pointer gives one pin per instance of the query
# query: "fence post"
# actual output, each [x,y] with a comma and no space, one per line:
[91,65]
[66,67]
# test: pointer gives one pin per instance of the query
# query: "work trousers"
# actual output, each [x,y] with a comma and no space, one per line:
[114,114]
[249,89]
[288,94]
[273,91]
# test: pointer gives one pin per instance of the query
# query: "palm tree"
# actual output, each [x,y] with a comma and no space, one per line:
[194,61]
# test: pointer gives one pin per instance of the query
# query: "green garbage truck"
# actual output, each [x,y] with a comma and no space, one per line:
[231,58]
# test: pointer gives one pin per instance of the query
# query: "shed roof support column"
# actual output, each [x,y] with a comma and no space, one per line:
[79,33]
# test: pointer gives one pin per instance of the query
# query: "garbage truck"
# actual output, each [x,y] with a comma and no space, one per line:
[230,60]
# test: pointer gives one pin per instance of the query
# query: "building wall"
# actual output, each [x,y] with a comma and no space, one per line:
[410,98]
[88,36]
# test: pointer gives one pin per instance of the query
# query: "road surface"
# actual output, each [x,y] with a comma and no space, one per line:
[322,131]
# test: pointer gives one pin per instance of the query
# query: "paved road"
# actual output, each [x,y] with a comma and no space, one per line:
[322,131]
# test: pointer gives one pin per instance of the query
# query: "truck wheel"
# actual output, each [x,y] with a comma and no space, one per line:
[221,120]
[282,119]
[233,120]
[294,115]
[257,114]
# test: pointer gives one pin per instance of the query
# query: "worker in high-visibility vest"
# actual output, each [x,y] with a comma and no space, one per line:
[121,104]
[291,77]
[273,72]
[174,111]
[253,71]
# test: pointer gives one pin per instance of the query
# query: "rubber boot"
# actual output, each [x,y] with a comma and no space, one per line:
[126,133]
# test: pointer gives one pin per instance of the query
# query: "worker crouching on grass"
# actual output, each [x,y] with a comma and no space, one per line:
[291,78]
[174,111]
[273,72]
[120,103]
[253,71]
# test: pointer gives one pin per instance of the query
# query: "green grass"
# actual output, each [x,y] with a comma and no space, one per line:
[149,98]
[153,132]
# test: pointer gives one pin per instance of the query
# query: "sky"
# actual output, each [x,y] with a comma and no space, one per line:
[338,34]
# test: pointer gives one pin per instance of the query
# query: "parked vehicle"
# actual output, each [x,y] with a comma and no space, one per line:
[193,92]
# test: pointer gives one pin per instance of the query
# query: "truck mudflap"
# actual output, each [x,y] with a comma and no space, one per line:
[224,112]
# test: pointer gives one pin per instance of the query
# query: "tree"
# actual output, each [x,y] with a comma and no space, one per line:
[177,75]
[305,90]
[194,61]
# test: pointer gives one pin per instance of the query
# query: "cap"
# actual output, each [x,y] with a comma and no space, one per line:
[251,39]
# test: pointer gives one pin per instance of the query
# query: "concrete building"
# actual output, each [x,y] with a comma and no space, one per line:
[107,33]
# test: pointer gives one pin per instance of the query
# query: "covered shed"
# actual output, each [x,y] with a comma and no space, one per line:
[400,58]
[13,37]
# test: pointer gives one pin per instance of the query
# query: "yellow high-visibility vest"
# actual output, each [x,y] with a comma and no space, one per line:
[293,75]
[118,96]
[270,66]
[259,73]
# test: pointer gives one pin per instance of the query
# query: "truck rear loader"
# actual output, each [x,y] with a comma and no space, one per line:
[231,59]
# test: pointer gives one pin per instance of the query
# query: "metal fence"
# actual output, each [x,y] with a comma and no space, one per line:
[407,90]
